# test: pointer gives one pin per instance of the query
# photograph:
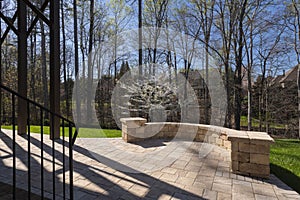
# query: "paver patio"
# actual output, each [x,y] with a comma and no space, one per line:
[156,169]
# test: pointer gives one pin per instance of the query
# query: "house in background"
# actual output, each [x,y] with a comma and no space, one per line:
[287,78]
[283,99]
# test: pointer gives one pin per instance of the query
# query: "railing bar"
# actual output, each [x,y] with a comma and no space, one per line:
[53,156]
[64,162]
[71,161]
[41,107]
[42,153]
[29,152]
[14,144]
[34,103]
[75,136]
[72,139]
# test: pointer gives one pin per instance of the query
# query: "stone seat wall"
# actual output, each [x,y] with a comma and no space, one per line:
[249,150]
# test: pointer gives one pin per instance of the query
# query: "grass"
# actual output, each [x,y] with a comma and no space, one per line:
[255,123]
[285,161]
[83,132]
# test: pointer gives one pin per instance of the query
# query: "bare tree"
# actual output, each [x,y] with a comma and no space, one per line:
[225,24]
[66,89]
[155,15]
[267,49]
[90,66]
[238,47]
[205,15]
[296,26]
[76,58]
[140,19]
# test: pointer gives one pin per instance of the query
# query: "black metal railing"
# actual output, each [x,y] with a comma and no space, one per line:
[67,160]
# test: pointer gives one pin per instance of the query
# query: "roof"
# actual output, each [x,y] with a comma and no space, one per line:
[290,75]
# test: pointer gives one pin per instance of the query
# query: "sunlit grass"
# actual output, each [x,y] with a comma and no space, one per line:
[83,132]
[285,161]
[255,123]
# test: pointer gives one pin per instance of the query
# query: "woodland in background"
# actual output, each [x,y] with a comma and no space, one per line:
[253,41]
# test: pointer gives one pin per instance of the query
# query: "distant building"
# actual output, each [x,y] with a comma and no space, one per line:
[287,78]
[283,98]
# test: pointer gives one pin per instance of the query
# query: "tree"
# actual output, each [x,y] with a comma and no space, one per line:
[140,19]
[155,15]
[249,35]
[90,65]
[204,14]
[238,48]
[268,49]
[225,24]
[296,27]
[121,15]
[76,58]
[67,99]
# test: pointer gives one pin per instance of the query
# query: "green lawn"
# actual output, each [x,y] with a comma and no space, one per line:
[285,161]
[83,132]
[255,123]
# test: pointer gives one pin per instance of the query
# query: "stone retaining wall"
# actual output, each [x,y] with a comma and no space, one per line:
[249,150]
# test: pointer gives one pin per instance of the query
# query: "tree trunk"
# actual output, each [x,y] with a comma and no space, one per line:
[83,53]
[78,108]
[239,63]
[44,66]
[90,64]
[206,90]
[140,38]
[65,60]
[297,37]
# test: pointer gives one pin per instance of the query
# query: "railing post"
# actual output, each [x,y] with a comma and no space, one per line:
[71,161]
[54,67]
[0,69]
[22,66]
[14,145]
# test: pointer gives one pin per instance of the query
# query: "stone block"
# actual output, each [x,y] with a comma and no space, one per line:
[131,131]
[185,135]
[260,159]
[124,126]
[234,146]
[240,156]
[211,140]
[238,136]
[189,128]
[140,131]
[219,141]
[155,128]
[124,136]
[160,135]
[148,130]
[244,147]
[260,148]
[199,138]
[227,144]
[257,169]
[172,134]
[235,166]
[165,128]
[173,127]
[243,173]
[133,122]
[223,136]
[260,137]
[201,131]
